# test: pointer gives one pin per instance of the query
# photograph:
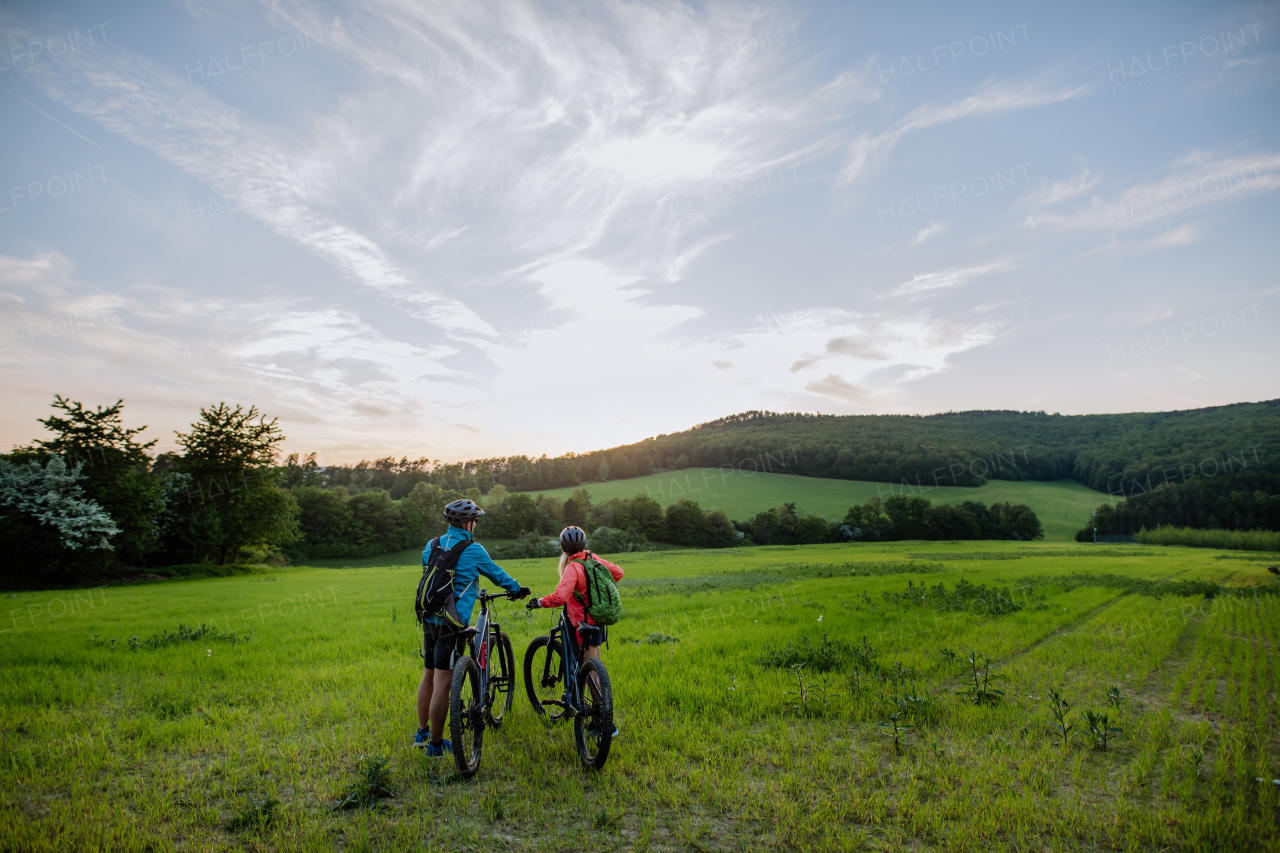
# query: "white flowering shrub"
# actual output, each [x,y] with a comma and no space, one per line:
[50,494]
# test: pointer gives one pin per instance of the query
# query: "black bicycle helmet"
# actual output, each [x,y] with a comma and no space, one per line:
[460,512]
[572,540]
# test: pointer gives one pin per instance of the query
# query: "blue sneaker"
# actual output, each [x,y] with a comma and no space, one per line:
[422,738]
[616,734]
[433,751]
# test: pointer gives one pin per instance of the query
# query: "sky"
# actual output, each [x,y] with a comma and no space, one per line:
[464,230]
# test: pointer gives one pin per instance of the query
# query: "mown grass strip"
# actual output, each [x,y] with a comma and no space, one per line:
[1143,586]
[1030,552]
[771,574]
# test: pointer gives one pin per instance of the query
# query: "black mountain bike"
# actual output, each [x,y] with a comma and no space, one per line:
[483,680]
[560,686]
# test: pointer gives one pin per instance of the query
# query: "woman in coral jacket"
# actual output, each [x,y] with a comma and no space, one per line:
[573,547]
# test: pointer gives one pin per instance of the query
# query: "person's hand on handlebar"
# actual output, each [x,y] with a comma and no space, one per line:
[533,604]
[522,592]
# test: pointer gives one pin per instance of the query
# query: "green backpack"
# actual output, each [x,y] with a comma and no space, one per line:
[604,605]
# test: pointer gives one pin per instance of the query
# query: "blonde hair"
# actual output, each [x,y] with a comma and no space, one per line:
[564,561]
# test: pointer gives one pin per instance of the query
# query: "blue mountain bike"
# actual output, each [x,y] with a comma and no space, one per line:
[561,685]
[483,681]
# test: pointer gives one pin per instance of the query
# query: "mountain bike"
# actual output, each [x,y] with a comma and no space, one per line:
[551,667]
[483,680]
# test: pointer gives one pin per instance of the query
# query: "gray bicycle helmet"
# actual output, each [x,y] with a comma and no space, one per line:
[462,511]
[572,540]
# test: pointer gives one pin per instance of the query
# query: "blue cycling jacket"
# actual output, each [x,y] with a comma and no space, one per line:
[475,561]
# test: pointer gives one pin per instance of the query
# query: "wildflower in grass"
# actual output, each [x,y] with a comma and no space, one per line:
[819,618]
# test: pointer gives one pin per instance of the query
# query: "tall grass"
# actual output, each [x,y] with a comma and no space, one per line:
[170,747]
[1234,540]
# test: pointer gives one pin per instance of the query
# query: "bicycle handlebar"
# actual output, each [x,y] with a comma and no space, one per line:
[486,597]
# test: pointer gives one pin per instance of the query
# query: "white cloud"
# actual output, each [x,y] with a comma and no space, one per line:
[1174,237]
[657,157]
[930,231]
[545,158]
[1062,190]
[316,367]
[865,151]
[1194,182]
[952,277]
[676,271]
[834,387]
[272,178]
[458,197]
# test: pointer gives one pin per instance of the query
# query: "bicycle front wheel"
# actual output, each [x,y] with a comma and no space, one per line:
[593,728]
[544,676]
[502,678]
[466,716]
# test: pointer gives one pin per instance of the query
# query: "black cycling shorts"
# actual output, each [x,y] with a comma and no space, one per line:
[590,635]
[438,645]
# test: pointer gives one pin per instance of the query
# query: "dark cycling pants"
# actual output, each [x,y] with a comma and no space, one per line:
[439,642]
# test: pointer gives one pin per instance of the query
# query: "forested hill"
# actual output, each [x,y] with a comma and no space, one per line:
[1122,454]
[1104,452]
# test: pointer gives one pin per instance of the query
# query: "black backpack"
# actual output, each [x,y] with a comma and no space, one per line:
[435,590]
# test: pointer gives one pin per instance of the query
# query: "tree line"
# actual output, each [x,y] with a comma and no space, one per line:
[1109,453]
[91,500]
[1245,500]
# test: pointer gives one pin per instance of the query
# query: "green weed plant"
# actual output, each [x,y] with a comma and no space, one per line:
[371,785]
[822,656]
[1101,729]
[257,814]
[1062,725]
[978,667]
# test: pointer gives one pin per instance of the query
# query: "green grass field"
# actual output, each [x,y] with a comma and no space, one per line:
[157,748]
[1063,506]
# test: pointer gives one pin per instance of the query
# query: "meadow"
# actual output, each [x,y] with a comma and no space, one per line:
[1063,506]
[757,691]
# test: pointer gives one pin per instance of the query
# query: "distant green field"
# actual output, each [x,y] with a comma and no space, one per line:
[1062,505]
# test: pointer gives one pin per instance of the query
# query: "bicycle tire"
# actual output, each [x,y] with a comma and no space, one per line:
[593,728]
[536,687]
[502,677]
[466,716]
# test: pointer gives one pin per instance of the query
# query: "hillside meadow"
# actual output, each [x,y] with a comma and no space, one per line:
[1063,506]
[159,746]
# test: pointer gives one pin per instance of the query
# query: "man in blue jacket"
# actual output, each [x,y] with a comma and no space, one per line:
[439,640]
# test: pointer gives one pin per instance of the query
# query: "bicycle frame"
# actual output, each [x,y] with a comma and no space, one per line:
[478,642]
[569,646]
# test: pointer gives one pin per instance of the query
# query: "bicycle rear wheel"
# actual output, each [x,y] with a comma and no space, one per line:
[544,676]
[502,678]
[593,728]
[466,716]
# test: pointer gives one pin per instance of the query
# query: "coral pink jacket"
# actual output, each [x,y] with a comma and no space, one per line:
[575,579]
